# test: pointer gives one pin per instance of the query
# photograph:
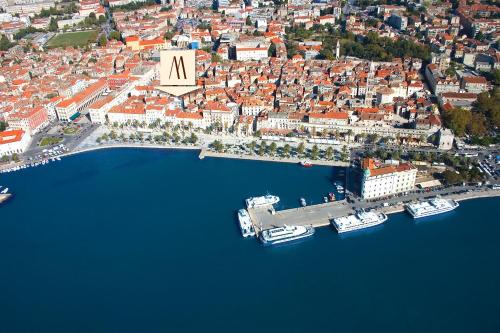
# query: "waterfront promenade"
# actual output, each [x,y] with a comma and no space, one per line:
[208,153]
[321,215]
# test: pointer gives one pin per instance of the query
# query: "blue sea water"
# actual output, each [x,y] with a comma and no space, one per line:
[146,241]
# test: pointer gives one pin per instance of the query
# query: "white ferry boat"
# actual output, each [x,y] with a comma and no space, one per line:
[360,220]
[285,234]
[431,207]
[5,190]
[246,226]
[262,201]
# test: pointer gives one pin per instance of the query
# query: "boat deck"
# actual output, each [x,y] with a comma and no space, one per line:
[316,215]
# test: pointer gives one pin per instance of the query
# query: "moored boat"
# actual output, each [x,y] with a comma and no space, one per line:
[306,163]
[266,200]
[246,226]
[285,234]
[360,220]
[430,207]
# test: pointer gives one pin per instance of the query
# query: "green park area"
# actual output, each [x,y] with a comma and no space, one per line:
[49,141]
[80,38]
[71,130]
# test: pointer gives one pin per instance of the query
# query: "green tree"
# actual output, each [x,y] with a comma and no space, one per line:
[262,148]
[315,152]
[286,150]
[248,21]
[217,146]
[3,126]
[452,177]
[15,157]
[344,155]
[102,40]
[5,43]
[329,153]
[271,52]
[301,149]
[115,35]
[251,146]
[272,148]
[53,24]
[216,58]
[193,138]
[457,120]
[4,159]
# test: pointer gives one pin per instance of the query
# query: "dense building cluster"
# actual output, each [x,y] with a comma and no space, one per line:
[305,68]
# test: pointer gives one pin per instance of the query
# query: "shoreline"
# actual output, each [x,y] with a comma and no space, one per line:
[208,153]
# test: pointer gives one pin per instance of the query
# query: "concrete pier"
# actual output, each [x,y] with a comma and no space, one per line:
[321,215]
[315,215]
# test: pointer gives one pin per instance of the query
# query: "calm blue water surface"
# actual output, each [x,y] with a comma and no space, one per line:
[146,241]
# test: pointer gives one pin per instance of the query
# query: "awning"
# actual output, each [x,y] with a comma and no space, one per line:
[73,117]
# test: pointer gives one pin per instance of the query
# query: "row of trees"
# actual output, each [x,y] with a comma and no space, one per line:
[133,6]
[5,158]
[52,11]
[286,151]
[162,138]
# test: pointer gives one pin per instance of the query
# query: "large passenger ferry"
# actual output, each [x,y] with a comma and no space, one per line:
[285,234]
[431,207]
[262,201]
[360,220]
[246,226]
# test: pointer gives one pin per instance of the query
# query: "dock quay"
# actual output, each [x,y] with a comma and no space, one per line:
[315,215]
[320,215]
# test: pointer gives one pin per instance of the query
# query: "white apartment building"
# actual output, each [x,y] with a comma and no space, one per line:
[383,181]
[251,53]
[68,109]
[13,142]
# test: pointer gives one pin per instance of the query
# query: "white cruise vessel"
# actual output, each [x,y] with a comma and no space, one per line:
[246,226]
[360,220]
[431,207]
[262,201]
[285,234]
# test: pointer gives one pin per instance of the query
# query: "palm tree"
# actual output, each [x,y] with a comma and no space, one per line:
[301,149]
[252,146]
[314,152]
[349,134]
[262,148]
[344,155]
[329,153]
[193,138]
[286,150]
[272,148]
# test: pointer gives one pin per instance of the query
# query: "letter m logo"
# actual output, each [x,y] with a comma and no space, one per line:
[177,68]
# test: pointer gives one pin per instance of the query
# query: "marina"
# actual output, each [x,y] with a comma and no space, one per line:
[325,214]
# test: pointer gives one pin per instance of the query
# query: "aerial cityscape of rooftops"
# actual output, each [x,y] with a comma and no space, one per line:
[401,94]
